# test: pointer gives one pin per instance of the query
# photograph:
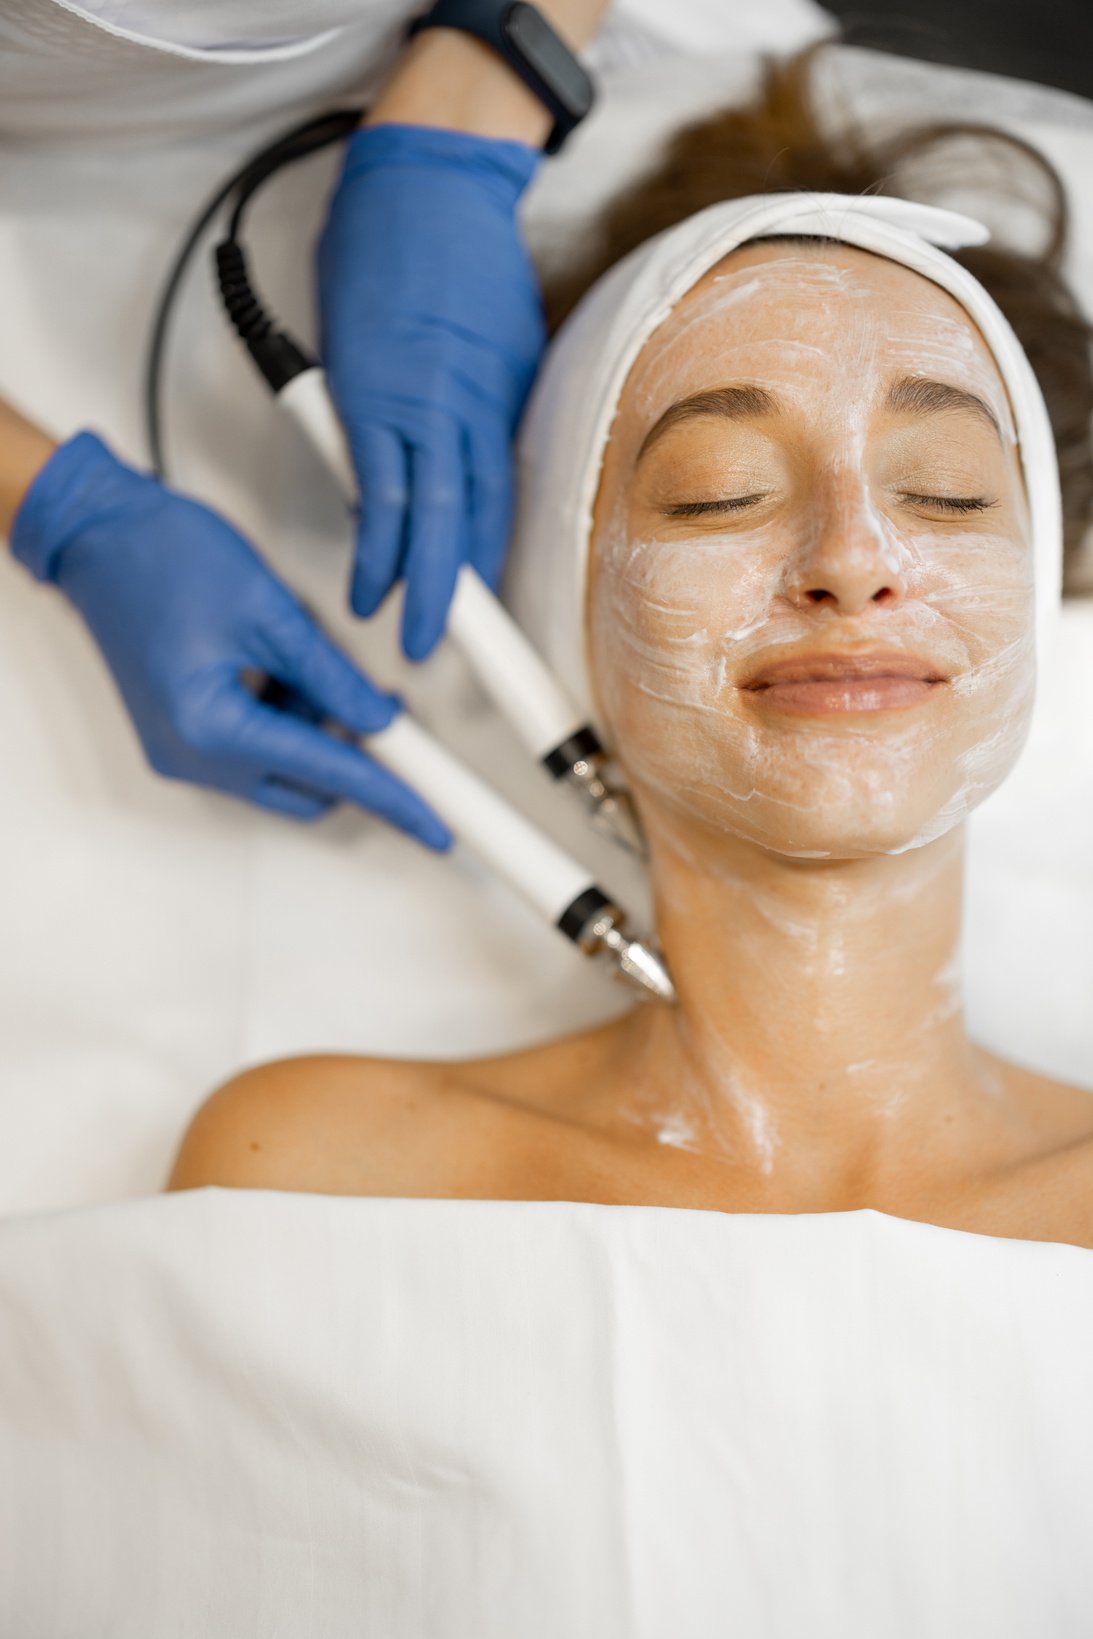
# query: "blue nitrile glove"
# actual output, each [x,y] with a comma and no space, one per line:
[432,329]
[181,607]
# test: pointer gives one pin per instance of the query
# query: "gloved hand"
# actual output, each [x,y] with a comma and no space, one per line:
[181,607]
[432,329]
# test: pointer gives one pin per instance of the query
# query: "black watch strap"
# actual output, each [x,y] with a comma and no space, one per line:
[524,38]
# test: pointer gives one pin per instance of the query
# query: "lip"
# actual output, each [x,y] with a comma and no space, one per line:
[831,682]
[833,664]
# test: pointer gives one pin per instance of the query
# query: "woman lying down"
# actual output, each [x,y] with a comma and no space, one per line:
[790,515]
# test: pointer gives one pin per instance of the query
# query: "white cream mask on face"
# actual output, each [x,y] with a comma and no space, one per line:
[572,407]
[813,513]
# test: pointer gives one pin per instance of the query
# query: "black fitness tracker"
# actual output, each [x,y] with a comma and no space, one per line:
[524,38]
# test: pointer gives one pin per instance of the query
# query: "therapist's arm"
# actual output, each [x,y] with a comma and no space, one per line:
[24,451]
[458,83]
[186,613]
[432,323]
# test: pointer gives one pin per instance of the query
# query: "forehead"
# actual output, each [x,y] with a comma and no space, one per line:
[848,269]
[819,312]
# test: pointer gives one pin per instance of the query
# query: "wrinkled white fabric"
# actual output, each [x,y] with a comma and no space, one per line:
[221,25]
[248,1415]
[568,418]
[136,74]
[70,76]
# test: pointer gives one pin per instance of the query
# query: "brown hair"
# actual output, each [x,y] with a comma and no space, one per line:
[776,143]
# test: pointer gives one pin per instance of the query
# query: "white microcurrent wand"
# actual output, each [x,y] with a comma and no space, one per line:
[498,652]
[552,881]
[493,645]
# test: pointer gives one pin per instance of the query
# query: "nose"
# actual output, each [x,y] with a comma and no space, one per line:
[849,557]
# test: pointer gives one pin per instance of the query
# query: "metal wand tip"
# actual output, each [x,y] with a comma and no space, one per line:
[640,966]
[615,814]
[612,811]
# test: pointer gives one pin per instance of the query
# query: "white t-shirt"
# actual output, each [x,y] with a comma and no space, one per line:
[220,25]
[160,71]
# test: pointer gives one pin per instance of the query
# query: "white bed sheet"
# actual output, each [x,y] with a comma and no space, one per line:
[244,1415]
[156,938]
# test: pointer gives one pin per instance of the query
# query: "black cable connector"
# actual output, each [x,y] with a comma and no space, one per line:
[279,357]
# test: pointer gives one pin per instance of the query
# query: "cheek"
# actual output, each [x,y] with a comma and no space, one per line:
[673,625]
[981,584]
[665,615]
[666,621]
[988,594]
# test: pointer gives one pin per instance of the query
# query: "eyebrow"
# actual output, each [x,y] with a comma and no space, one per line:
[737,403]
[921,396]
[914,395]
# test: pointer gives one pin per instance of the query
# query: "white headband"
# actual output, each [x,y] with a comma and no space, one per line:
[568,419]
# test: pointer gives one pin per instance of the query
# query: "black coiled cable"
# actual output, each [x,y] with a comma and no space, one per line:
[274,351]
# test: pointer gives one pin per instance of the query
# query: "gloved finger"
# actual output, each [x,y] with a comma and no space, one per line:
[381,461]
[282,798]
[490,464]
[299,653]
[438,530]
[302,755]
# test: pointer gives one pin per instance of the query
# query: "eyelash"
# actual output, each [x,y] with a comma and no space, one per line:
[695,509]
[953,503]
[736,503]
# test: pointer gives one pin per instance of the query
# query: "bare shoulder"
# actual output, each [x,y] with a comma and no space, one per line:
[1046,1190]
[310,1123]
[344,1125]
[1058,1110]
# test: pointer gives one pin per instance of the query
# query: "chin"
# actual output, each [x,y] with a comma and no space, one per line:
[840,819]
[828,841]
[862,791]
[864,841]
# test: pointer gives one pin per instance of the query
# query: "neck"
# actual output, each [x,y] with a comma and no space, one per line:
[819,1031]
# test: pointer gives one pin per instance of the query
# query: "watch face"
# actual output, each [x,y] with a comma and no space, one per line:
[532,36]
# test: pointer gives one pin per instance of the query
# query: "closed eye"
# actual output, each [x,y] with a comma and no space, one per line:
[736,503]
[730,503]
[952,503]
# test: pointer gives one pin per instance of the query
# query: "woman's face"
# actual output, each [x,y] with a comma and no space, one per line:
[846,489]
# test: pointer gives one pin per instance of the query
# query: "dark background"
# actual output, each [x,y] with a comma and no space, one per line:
[1050,41]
